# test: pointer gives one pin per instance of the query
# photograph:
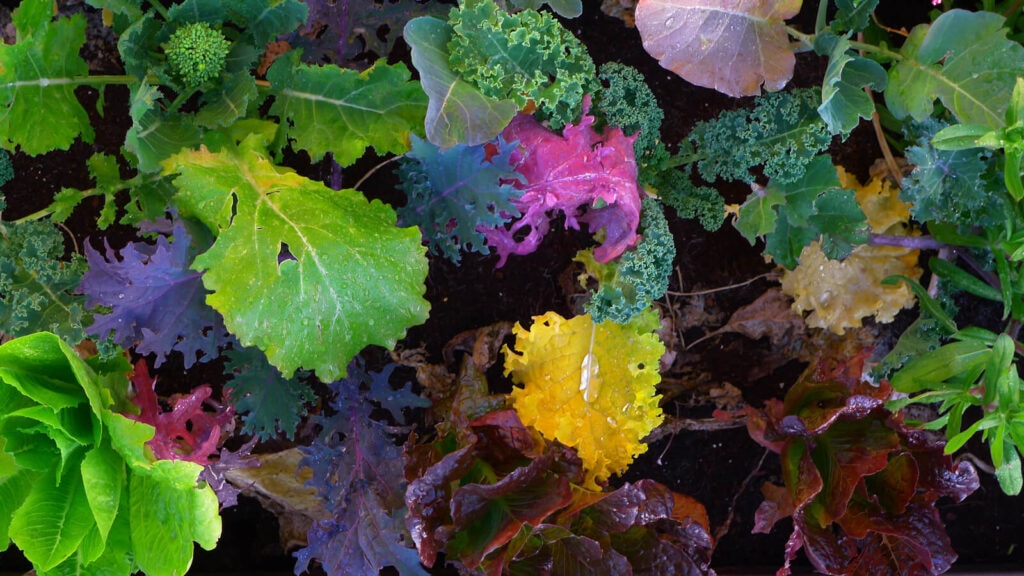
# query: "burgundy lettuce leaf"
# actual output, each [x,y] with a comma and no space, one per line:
[157,303]
[588,176]
[187,432]
[861,486]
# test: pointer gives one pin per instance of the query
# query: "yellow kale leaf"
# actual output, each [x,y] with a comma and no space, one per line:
[589,386]
[839,293]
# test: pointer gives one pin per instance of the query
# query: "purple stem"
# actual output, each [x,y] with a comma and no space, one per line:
[915,242]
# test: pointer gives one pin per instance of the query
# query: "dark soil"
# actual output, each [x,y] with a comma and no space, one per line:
[723,469]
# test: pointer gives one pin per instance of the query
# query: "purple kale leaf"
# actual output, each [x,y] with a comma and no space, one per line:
[157,304]
[394,401]
[358,472]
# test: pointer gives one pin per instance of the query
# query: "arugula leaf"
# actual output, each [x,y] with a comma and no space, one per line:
[308,274]
[38,73]
[965,60]
[843,100]
[329,109]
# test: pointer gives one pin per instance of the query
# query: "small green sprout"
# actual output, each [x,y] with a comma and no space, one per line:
[196,53]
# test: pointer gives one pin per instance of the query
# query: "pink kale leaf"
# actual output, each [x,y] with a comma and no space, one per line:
[187,432]
[586,175]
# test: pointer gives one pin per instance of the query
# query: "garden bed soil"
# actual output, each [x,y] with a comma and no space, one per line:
[721,467]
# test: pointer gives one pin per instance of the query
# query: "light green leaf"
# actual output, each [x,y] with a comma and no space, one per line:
[329,109]
[1009,474]
[128,437]
[457,113]
[965,60]
[53,521]
[757,215]
[103,476]
[180,474]
[929,370]
[843,99]
[206,522]
[162,519]
[37,366]
[37,74]
[959,137]
[113,560]
[307,274]
[13,491]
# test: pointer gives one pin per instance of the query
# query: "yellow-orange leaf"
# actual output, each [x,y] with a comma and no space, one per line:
[589,386]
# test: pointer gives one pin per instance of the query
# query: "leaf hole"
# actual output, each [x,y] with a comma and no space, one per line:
[285,254]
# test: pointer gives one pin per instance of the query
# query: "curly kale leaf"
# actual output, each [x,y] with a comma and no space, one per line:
[453,192]
[702,203]
[36,284]
[358,472]
[627,287]
[625,100]
[782,133]
[6,168]
[526,57]
[157,303]
[267,401]
[958,187]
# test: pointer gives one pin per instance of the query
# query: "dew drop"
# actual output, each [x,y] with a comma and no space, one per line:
[120,296]
[670,21]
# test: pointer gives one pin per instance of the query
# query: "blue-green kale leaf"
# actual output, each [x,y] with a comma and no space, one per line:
[267,402]
[451,193]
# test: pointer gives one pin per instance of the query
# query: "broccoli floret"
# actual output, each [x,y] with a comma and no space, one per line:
[196,53]
[626,101]
[6,167]
[627,287]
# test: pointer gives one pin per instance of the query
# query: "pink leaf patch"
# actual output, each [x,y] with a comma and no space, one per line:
[187,432]
[588,176]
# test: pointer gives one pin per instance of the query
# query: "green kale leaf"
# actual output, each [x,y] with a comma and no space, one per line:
[625,100]
[783,133]
[628,286]
[958,187]
[703,203]
[37,286]
[268,402]
[526,57]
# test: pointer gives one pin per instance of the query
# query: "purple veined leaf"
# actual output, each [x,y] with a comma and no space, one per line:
[157,303]
[733,46]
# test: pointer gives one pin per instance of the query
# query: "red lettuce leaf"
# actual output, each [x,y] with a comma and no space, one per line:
[187,432]
[587,176]
[860,485]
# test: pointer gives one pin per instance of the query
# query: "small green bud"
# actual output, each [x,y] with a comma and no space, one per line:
[196,53]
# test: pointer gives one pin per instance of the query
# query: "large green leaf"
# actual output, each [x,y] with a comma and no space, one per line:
[155,134]
[13,490]
[457,113]
[38,108]
[52,522]
[328,109]
[843,100]
[965,60]
[308,274]
[165,519]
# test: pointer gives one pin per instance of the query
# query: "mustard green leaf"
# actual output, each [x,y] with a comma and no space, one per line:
[843,99]
[156,134]
[38,73]
[733,46]
[52,522]
[329,109]
[457,112]
[308,274]
[965,60]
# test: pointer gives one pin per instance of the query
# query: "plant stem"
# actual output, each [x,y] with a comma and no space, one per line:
[99,80]
[914,242]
